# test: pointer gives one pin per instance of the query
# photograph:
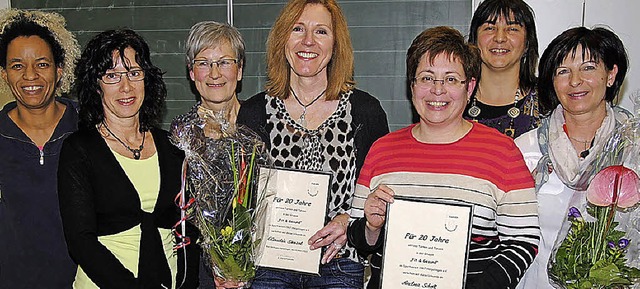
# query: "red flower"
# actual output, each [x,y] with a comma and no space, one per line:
[614,185]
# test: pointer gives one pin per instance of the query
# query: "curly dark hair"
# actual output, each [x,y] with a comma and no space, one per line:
[27,28]
[97,57]
[599,43]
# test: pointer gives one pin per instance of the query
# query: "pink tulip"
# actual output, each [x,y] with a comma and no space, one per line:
[614,183]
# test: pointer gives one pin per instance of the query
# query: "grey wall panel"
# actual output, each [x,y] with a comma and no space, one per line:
[381,31]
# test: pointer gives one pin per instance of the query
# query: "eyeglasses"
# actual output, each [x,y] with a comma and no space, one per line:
[430,81]
[116,77]
[205,65]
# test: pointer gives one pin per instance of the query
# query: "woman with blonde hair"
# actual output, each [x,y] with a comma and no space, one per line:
[312,117]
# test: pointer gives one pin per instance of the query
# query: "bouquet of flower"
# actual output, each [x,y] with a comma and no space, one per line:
[226,206]
[597,252]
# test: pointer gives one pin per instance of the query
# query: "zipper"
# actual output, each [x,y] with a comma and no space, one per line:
[41,151]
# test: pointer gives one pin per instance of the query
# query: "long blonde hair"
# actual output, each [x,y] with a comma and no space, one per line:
[340,67]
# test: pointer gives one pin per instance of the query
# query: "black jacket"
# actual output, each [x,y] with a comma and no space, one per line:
[97,199]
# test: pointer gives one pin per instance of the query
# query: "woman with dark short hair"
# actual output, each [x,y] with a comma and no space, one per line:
[581,73]
[446,158]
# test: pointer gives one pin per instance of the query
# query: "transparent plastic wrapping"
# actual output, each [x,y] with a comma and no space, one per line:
[602,243]
[221,181]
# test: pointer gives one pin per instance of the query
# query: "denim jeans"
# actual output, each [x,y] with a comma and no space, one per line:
[339,273]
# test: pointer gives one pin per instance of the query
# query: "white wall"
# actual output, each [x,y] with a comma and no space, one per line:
[5,4]
[555,16]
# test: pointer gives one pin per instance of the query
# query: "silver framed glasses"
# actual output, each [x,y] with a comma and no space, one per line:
[205,65]
[429,81]
[116,77]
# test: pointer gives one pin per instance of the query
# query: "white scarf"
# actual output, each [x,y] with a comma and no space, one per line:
[558,152]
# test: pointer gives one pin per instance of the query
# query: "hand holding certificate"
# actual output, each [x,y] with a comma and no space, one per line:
[297,208]
[431,254]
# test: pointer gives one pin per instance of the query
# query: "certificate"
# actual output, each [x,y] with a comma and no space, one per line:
[296,209]
[430,253]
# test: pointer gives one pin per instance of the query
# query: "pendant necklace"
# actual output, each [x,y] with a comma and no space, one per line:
[302,120]
[513,112]
[587,143]
[136,152]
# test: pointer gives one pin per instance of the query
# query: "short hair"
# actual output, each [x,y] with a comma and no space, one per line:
[600,43]
[490,11]
[97,57]
[447,41]
[210,34]
[50,27]
[339,68]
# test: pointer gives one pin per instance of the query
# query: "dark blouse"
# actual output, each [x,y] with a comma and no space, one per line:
[497,117]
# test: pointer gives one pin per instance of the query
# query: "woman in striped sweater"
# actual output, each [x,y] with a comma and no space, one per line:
[445,157]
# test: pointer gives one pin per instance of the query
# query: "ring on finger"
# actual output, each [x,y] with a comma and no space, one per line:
[337,246]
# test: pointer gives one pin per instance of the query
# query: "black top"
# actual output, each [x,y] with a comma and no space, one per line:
[97,198]
[33,253]
[369,120]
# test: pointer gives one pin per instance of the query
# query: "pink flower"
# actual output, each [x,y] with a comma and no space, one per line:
[614,184]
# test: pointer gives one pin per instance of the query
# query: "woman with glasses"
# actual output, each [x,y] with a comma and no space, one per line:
[446,157]
[581,73]
[215,58]
[505,97]
[312,117]
[119,174]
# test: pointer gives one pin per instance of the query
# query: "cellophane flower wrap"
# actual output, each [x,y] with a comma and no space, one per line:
[221,180]
[601,249]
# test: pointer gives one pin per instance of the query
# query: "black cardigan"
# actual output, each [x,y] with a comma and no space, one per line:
[97,199]
[369,121]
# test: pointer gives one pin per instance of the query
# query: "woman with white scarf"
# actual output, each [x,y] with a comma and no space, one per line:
[581,72]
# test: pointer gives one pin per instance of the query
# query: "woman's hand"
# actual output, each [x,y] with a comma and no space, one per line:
[333,235]
[222,283]
[375,210]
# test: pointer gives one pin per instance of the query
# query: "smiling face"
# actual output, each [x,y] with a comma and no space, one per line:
[580,83]
[122,100]
[310,45]
[502,44]
[216,86]
[438,104]
[31,72]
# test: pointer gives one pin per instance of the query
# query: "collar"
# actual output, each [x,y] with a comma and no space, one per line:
[68,123]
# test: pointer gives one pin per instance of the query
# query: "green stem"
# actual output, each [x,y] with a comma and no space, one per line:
[234,169]
[248,186]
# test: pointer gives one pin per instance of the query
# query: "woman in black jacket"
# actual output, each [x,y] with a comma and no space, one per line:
[119,174]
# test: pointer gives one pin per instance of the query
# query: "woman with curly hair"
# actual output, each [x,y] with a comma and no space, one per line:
[37,56]
[119,174]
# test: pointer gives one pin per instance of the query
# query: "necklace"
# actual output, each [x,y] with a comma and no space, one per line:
[301,120]
[136,152]
[587,143]
[513,112]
